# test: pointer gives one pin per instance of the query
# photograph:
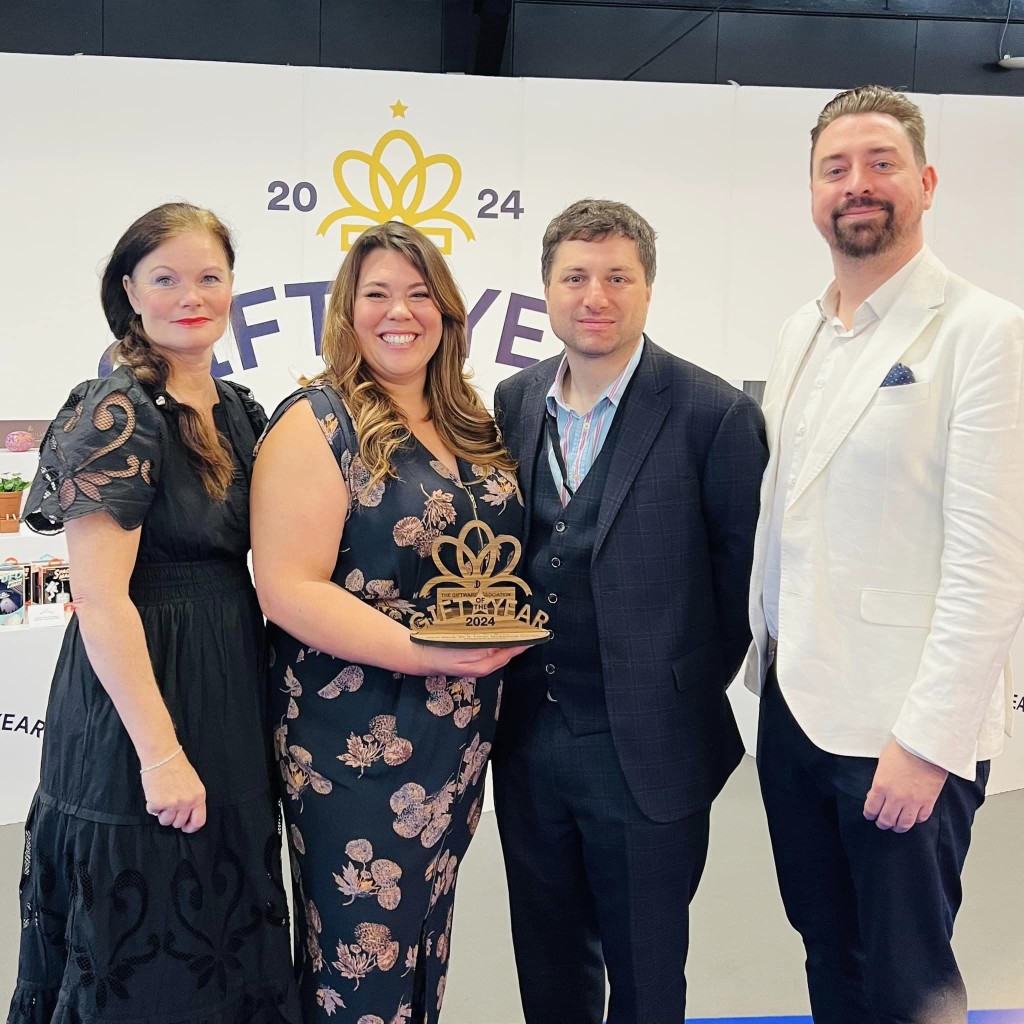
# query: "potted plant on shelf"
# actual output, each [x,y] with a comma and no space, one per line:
[12,487]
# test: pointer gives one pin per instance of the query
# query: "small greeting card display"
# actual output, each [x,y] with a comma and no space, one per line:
[476,601]
[13,578]
[52,602]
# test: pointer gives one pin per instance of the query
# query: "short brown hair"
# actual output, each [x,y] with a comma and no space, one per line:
[590,220]
[875,99]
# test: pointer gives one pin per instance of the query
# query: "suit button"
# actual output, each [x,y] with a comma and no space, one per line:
[559,527]
[550,669]
[555,562]
[552,599]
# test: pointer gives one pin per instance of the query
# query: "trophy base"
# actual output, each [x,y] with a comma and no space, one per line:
[525,637]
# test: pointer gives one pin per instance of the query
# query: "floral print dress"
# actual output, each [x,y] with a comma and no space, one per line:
[382,773]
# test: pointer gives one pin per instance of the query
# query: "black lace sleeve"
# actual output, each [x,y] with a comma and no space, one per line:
[101,454]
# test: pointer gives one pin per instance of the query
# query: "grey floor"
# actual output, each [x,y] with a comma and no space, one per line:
[744,959]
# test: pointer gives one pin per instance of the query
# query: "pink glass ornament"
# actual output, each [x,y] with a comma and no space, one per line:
[19,441]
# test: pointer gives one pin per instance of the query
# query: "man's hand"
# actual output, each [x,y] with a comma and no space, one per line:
[904,789]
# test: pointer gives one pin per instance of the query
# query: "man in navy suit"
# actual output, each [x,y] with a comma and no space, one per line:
[641,474]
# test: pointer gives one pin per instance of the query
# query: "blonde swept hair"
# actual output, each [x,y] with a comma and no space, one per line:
[875,99]
[454,407]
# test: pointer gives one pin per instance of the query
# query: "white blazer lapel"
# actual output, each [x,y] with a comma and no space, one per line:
[916,307]
[782,377]
[796,339]
[794,342]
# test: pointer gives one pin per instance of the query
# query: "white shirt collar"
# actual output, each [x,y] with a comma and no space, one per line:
[875,306]
[613,392]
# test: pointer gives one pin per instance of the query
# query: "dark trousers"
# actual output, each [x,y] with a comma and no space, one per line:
[593,883]
[875,908]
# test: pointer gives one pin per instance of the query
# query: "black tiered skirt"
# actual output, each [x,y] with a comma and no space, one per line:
[123,919]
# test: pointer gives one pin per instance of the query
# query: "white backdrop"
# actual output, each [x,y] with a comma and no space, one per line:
[720,171]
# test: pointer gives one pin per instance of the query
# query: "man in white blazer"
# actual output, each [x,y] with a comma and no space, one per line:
[888,578]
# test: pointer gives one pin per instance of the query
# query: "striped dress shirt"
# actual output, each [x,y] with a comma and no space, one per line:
[583,435]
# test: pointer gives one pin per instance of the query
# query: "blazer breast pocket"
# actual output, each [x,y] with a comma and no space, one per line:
[902,394]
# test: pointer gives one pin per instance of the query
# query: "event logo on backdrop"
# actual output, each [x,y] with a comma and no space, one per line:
[392,197]
[394,181]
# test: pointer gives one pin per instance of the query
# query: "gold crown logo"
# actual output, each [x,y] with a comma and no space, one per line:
[390,194]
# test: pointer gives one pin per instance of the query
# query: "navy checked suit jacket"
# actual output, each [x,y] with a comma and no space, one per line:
[670,572]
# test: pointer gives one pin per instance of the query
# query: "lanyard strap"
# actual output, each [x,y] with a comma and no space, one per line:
[556,445]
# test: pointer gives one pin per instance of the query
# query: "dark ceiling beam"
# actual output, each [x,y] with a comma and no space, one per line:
[494,17]
[959,10]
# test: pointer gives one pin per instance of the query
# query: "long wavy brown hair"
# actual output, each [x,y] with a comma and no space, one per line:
[454,407]
[207,449]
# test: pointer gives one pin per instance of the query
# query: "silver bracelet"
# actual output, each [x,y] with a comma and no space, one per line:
[160,764]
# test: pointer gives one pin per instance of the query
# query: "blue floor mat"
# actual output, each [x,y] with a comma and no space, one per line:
[974,1017]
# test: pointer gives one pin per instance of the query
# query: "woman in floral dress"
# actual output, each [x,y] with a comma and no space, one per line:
[382,743]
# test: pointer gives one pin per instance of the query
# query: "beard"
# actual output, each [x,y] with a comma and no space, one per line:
[861,239]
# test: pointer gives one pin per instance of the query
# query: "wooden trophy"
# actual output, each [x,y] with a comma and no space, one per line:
[476,604]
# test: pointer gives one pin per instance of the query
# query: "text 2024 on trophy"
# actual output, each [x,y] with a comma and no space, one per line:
[476,605]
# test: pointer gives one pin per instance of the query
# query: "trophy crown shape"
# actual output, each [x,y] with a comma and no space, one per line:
[481,568]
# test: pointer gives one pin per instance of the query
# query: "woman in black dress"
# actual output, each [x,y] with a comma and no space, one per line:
[152,888]
[382,744]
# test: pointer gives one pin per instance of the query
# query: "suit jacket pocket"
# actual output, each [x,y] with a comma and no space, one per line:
[700,669]
[896,608]
[903,394]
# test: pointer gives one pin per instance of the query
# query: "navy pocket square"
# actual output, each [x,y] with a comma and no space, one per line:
[899,374]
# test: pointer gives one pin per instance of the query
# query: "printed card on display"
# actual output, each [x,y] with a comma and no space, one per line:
[12,595]
[52,602]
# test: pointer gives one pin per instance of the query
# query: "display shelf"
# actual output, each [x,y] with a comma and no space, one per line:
[24,463]
[26,546]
